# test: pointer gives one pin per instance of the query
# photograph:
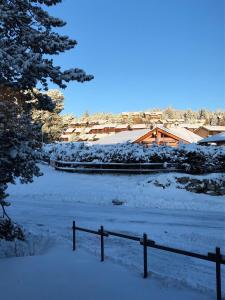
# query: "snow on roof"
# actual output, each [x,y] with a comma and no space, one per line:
[102,135]
[109,125]
[123,137]
[87,130]
[186,125]
[70,130]
[140,126]
[220,137]
[182,133]
[64,136]
[96,127]
[122,126]
[214,128]
[79,130]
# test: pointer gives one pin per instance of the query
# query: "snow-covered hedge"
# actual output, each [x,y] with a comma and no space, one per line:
[193,158]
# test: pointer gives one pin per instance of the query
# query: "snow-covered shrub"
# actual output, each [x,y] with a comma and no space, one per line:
[192,158]
[10,231]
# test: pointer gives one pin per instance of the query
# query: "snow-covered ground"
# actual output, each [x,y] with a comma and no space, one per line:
[169,216]
[61,274]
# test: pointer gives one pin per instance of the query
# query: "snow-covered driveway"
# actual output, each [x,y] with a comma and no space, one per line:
[171,217]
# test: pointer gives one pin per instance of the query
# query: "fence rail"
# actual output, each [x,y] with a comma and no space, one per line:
[215,257]
[70,166]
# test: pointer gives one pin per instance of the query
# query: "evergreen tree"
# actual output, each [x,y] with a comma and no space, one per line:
[51,123]
[27,40]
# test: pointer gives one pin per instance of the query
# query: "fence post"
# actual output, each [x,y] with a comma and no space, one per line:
[145,254]
[74,235]
[102,243]
[218,274]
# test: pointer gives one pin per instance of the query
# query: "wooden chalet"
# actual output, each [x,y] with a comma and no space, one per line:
[159,136]
[206,131]
[169,137]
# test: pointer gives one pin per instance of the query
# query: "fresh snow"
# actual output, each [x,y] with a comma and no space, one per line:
[61,274]
[220,137]
[170,216]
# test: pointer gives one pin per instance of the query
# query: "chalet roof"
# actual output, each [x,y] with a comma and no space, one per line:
[214,128]
[102,135]
[193,126]
[78,130]
[123,137]
[64,136]
[139,126]
[122,126]
[70,130]
[133,135]
[175,120]
[87,130]
[74,122]
[220,137]
[182,133]
[110,125]
[132,113]
[96,127]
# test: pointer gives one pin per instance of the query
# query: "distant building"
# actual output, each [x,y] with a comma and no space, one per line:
[153,115]
[141,117]
[138,126]
[217,139]
[191,127]
[208,130]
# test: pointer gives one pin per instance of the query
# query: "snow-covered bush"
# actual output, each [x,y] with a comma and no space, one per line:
[10,231]
[192,158]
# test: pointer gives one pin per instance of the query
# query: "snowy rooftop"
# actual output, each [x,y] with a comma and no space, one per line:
[214,138]
[141,126]
[182,133]
[70,130]
[214,128]
[193,126]
[132,135]
[123,137]
[122,126]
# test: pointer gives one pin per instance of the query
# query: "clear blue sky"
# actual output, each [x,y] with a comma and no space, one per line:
[144,54]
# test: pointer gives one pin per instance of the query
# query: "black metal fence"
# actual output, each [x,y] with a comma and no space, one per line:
[215,257]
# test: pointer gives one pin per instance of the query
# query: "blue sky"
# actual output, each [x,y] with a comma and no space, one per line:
[144,54]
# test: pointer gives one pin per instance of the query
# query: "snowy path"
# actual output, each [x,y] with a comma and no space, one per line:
[171,217]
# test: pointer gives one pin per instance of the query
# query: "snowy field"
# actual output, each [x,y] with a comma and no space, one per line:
[171,216]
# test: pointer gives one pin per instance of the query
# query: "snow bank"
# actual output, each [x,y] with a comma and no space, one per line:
[33,245]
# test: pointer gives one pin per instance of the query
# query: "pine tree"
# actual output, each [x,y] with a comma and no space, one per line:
[27,41]
[51,123]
